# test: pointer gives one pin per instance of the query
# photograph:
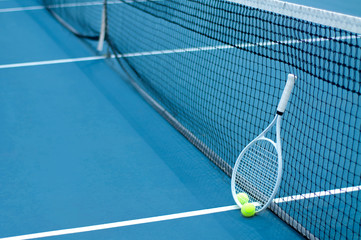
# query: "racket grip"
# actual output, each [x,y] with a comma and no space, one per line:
[286,94]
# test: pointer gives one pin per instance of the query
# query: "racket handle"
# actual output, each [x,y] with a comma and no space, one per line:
[286,94]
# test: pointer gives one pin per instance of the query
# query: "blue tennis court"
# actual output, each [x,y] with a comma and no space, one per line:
[89,153]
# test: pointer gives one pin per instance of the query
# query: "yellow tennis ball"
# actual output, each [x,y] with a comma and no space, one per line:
[242,198]
[248,209]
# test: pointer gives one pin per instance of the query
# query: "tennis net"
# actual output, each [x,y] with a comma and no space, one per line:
[215,70]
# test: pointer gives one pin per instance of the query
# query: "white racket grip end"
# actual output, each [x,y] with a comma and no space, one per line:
[286,94]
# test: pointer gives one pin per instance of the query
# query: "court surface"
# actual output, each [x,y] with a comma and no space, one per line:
[83,156]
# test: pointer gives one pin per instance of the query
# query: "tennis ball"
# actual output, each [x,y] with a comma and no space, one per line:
[242,198]
[248,209]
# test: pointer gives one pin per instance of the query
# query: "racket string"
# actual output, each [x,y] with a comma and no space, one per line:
[257,172]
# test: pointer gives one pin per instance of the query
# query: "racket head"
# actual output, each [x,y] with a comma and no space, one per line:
[257,172]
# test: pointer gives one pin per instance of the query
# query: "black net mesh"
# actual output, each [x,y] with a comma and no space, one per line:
[219,68]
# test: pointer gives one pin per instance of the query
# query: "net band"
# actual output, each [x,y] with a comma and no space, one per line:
[319,16]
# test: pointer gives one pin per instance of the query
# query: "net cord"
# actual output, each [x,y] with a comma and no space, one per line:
[316,15]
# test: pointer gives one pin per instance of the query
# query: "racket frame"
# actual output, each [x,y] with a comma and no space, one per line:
[278,146]
[276,120]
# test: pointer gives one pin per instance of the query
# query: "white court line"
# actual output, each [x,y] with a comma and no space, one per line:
[39,63]
[172,51]
[246,45]
[320,16]
[67,5]
[18,9]
[174,216]
[318,194]
[123,224]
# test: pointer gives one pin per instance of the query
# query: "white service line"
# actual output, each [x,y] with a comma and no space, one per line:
[318,194]
[180,50]
[225,46]
[123,224]
[39,63]
[175,216]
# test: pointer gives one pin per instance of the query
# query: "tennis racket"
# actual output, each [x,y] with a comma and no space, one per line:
[258,169]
